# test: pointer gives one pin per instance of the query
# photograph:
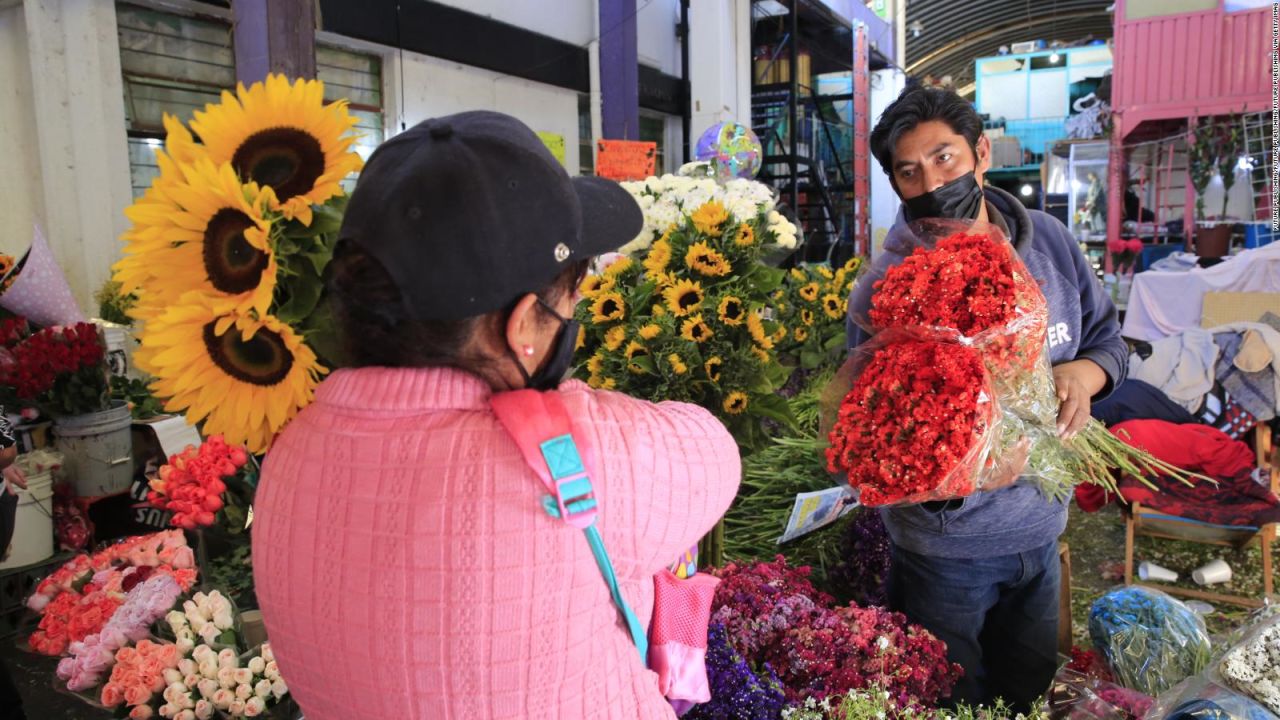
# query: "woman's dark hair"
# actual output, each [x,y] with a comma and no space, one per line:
[917,105]
[375,331]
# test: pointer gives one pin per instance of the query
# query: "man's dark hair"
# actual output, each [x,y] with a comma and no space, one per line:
[921,104]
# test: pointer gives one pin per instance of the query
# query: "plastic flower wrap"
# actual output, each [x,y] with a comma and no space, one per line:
[686,320]
[1080,697]
[1253,666]
[919,424]
[1150,640]
[964,282]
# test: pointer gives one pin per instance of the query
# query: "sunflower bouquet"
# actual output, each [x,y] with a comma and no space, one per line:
[812,302]
[226,253]
[686,320]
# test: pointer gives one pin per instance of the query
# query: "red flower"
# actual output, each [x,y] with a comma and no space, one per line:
[912,427]
[191,485]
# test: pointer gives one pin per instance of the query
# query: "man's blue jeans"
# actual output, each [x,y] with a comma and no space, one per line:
[998,617]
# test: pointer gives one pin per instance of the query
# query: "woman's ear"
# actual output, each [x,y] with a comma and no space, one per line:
[522,326]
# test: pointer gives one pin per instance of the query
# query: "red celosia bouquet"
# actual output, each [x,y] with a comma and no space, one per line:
[919,423]
[61,370]
[191,486]
[964,283]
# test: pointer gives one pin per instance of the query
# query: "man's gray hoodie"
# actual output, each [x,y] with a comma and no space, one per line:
[1082,324]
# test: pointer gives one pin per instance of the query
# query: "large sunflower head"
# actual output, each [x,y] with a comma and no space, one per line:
[809,292]
[595,364]
[712,368]
[735,403]
[732,311]
[798,275]
[614,337]
[825,271]
[659,257]
[755,325]
[244,378]
[703,259]
[683,298]
[210,233]
[618,267]
[635,351]
[650,331]
[761,354]
[677,364]
[745,237]
[695,329]
[593,285]
[284,137]
[806,317]
[833,306]
[608,307]
[710,218]
[801,334]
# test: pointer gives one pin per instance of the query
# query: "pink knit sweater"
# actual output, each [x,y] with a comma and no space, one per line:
[406,569]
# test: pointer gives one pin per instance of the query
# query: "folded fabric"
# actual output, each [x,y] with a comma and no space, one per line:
[1236,501]
[1221,411]
[1138,400]
[1254,355]
[1182,366]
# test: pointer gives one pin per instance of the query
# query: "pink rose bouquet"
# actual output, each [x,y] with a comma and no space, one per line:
[95,655]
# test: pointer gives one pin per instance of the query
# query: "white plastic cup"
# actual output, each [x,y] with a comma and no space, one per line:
[1214,573]
[1152,571]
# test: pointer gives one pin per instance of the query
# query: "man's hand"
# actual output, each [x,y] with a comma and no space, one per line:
[1077,381]
[15,476]
[1009,468]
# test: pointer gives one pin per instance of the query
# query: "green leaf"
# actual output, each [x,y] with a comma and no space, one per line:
[810,360]
[286,246]
[304,295]
[319,259]
[326,220]
[645,363]
[836,342]
[774,407]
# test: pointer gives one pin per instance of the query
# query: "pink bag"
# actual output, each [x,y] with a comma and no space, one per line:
[677,638]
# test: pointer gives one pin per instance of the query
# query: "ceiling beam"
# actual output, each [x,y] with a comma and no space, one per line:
[974,38]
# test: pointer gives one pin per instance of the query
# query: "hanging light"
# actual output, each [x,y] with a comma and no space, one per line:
[1054,57]
[916,27]
[1027,190]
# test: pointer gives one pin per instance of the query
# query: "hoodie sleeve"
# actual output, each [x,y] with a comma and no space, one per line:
[1100,339]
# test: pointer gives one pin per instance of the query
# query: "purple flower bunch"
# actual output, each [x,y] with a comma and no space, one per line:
[737,692]
[866,557]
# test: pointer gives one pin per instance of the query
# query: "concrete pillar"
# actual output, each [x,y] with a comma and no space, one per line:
[78,148]
[619,70]
[274,36]
[719,62]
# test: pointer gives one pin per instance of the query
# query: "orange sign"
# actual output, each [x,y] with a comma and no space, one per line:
[625,159]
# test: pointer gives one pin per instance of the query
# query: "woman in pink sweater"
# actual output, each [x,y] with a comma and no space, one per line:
[404,564]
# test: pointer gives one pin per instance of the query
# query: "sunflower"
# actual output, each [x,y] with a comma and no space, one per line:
[617,267]
[6,264]
[809,292]
[712,367]
[735,403]
[806,317]
[206,232]
[780,334]
[582,338]
[665,280]
[703,259]
[833,306]
[658,311]
[658,258]
[244,378]
[756,327]
[731,311]
[761,354]
[798,274]
[853,264]
[634,351]
[695,330]
[800,334]
[608,307]
[650,331]
[595,364]
[677,364]
[285,137]
[600,383]
[710,218]
[745,237]
[614,338]
[593,285]
[683,297]
[825,272]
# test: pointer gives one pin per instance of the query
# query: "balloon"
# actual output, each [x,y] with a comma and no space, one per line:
[733,150]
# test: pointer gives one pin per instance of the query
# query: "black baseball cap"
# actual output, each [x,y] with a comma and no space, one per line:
[470,211]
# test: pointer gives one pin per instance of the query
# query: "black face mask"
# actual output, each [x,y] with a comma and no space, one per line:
[960,199]
[553,370]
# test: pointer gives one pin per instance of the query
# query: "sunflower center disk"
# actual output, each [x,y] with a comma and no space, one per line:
[232,264]
[287,160]
[263,360]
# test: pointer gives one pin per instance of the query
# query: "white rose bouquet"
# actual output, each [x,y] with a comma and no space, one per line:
[223,684]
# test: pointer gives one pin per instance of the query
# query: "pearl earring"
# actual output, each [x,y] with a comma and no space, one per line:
[528,350]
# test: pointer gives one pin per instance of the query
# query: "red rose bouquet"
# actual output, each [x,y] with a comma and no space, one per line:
[919,423]
[191,486]
[61,370]
[966,283]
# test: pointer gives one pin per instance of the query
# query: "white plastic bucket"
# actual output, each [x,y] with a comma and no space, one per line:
[98,449]
[33,527]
